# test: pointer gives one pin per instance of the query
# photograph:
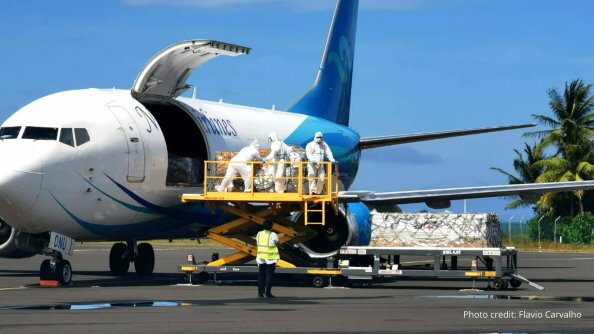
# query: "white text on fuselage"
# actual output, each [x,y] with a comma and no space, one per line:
[216,126]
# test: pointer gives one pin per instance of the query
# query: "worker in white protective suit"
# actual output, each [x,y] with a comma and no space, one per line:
[279,152]
[316,151]
[241,168]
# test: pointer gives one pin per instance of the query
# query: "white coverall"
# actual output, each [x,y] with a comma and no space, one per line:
[279,151]
[248,153]
[316,152]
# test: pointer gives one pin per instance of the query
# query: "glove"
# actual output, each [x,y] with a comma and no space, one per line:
[332,161]
[314,162]
[263,159]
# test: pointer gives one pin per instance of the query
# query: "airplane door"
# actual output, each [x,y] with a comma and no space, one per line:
[135,146]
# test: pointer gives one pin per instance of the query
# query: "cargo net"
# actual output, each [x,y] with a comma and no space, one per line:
[435,230]
[263,174]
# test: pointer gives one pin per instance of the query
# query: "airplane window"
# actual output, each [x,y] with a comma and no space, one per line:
[39,133]
[82,136]
[10,132]
[66,136]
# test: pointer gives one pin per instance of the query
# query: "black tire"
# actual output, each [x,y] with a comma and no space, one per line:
[118,263]
[318,281]
[515,283]
[45,271]
[64,272]
[144,263]
[499,284]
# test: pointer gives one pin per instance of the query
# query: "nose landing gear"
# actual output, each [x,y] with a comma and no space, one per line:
[56,269]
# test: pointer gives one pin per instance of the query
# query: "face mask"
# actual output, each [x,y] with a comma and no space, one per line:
[318,140]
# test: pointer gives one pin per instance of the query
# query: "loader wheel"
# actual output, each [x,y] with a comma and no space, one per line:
[318,282]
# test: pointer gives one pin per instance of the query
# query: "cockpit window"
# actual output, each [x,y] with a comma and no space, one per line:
[10,132]
[82,136]
[66,136]
[39,133]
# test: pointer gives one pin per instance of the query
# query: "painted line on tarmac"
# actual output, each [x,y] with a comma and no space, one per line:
[157,249]
[14,288]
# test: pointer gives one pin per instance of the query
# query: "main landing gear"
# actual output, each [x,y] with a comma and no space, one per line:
[56,269]
[122,254]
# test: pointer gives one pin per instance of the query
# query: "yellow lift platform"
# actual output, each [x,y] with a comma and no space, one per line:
[273,205]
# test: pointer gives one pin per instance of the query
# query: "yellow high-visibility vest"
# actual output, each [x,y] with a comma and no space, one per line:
[266,248]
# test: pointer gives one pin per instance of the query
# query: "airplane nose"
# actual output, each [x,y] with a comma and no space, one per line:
[21,173]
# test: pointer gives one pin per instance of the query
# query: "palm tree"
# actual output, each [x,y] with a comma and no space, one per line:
[526,173]
[574,118]
[571,133]
[576,167]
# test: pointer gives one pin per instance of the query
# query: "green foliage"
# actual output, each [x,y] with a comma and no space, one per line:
[571,135]
[526,171]
[576,230]
[547,225]
[579,230]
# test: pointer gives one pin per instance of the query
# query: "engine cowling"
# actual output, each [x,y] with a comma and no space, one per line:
[8,243]
[351,227]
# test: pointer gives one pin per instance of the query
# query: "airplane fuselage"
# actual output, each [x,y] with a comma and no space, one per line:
[112,183]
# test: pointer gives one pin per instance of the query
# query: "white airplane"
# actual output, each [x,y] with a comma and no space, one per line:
[94,164]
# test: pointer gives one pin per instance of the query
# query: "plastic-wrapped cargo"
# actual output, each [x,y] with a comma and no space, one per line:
[435,229]
[264,179]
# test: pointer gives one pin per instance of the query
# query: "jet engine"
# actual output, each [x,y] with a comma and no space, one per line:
[8,243]
[351,227]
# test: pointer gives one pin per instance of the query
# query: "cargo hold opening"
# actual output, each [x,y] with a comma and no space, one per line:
[186,147]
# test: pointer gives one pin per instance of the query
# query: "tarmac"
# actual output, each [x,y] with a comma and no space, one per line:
[100,303]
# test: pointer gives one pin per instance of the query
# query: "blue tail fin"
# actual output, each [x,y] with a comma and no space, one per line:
[330,97]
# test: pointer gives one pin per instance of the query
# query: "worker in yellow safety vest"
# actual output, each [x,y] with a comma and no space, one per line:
[266,258]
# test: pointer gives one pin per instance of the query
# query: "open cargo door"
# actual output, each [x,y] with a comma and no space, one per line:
[164,77]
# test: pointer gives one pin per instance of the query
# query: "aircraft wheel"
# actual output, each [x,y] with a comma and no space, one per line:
[45,271]
[144,263]
[64,272]
[118,262]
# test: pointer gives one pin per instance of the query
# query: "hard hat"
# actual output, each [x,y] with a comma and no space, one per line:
[318,135]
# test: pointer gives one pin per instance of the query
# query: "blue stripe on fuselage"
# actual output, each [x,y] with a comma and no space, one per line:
[134,229]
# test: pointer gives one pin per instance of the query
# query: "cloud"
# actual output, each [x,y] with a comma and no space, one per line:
[400,155]
[302,5]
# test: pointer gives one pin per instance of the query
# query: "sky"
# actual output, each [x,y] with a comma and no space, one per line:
[420,66]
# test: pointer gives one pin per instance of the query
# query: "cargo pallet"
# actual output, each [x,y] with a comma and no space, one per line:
[364,264]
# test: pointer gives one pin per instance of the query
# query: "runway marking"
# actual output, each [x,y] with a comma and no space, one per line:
[14,288]
[423,261]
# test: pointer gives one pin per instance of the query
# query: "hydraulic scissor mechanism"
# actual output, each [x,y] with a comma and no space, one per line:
[236,233]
